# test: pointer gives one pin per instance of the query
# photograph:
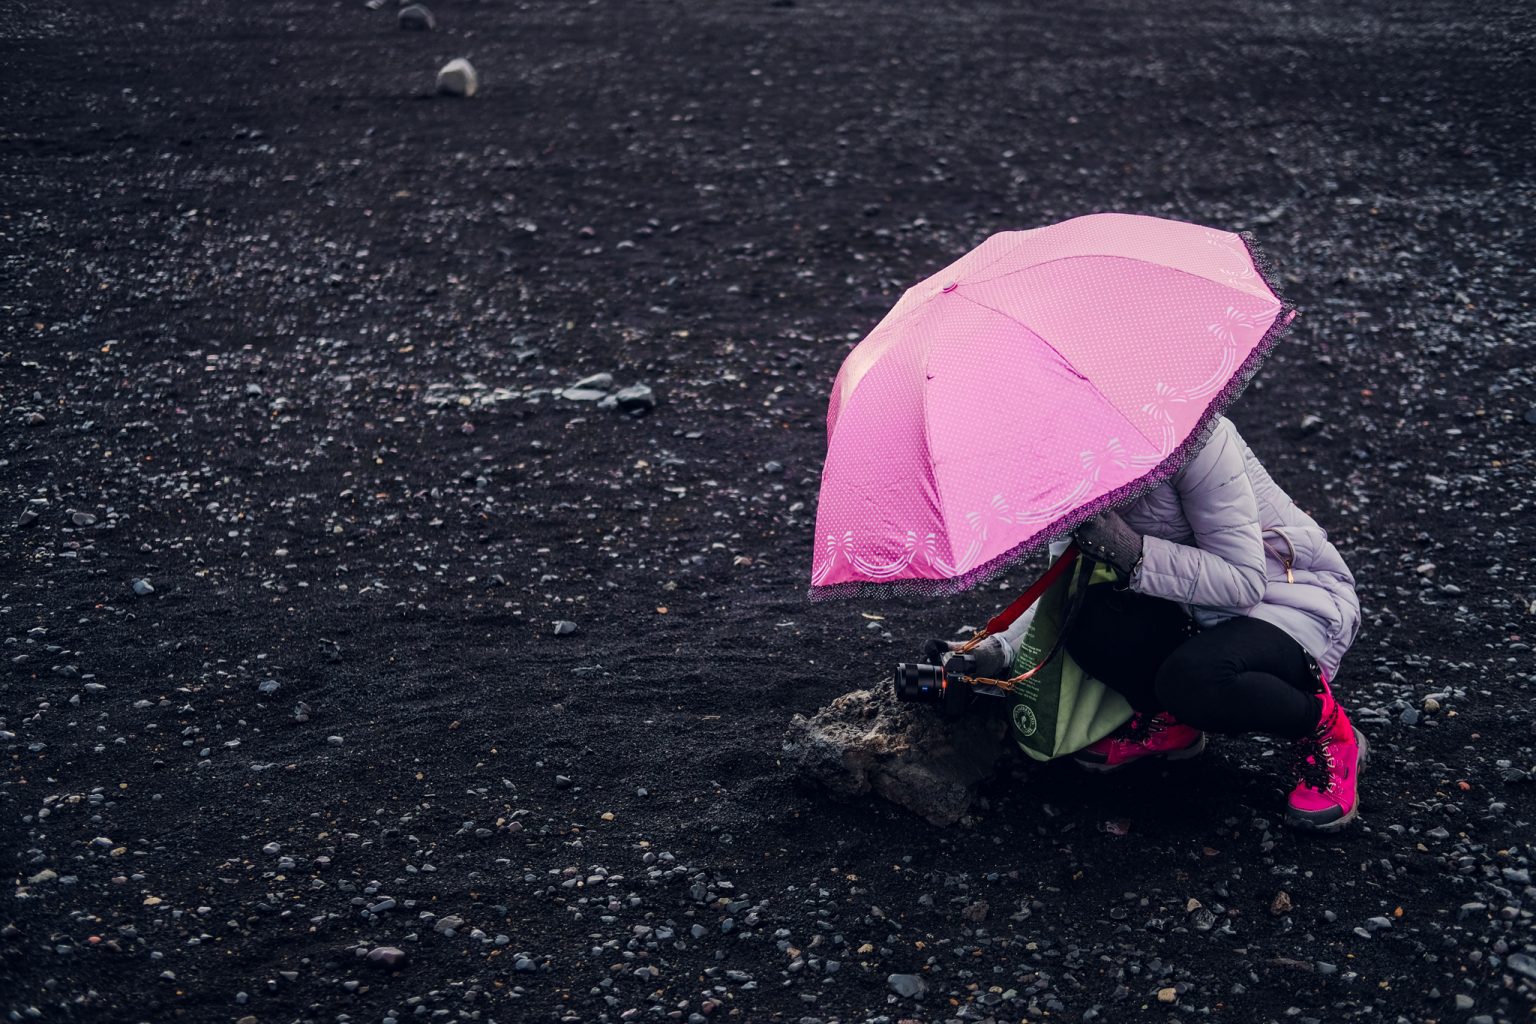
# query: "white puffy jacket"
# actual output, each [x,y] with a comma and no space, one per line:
[1223,539]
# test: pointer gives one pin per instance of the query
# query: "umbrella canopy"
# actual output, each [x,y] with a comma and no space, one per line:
[1041,378]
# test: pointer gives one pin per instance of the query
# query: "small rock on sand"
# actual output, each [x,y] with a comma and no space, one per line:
[387,956]
[458,78]
[417,18]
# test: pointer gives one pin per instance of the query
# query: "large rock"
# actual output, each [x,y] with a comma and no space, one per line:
[868,742]
[458,78]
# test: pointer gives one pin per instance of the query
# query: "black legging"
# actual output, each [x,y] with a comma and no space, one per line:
[1242,675]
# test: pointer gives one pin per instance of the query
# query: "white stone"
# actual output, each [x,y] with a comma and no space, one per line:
[417,18]
[458,78]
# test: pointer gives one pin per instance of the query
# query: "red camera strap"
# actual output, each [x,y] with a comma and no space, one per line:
[1005,618]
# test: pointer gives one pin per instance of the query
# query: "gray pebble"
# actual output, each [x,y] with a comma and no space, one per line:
[417,18]
[597,382]
[387,956]
[458,78]
[637,400]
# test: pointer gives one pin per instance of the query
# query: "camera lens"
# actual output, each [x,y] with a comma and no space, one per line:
[920,684]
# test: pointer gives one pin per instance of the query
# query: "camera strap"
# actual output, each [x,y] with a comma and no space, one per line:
[1005,618]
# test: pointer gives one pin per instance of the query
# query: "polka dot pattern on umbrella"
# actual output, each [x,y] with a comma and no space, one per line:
[1040,375]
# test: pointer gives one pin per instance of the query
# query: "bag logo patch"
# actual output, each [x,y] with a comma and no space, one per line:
[1024,719]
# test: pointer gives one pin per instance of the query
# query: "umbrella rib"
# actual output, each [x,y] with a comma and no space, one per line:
[916,308]
[1018,243]
[1130,259]
[943,510]
[1068,364]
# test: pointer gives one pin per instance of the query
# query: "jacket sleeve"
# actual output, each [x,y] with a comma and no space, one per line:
[1224,569]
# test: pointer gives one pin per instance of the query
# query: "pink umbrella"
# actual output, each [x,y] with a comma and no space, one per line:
[1043,377]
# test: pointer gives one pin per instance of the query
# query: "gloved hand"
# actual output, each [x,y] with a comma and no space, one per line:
[1109,539]
[994,655]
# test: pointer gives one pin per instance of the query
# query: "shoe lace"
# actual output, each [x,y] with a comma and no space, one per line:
[1141,727]
[1312,762]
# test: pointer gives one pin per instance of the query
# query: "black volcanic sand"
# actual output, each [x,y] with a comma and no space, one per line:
[282,338]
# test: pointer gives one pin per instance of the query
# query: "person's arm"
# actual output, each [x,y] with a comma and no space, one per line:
[1224,569]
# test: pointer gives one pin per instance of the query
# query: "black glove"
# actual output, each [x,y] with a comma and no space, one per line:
[994,656]
[1109,539]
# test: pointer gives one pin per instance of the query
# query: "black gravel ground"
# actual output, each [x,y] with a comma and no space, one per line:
[291,509]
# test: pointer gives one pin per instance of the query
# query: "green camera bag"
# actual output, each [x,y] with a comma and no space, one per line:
[1061,709]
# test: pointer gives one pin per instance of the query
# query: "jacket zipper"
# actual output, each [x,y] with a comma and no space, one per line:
[1285,559]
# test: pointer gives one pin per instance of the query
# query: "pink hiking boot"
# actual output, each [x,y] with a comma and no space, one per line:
[1328,765]
[1159,735]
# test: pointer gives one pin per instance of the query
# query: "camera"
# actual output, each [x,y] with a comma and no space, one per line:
[940,680]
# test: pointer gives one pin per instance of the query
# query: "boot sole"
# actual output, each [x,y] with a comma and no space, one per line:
[1306,825]
[1195,749]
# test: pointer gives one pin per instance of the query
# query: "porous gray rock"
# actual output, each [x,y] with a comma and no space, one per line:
[458,78]
[867,742]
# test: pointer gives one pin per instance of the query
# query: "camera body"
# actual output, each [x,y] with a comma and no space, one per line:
[940,680]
